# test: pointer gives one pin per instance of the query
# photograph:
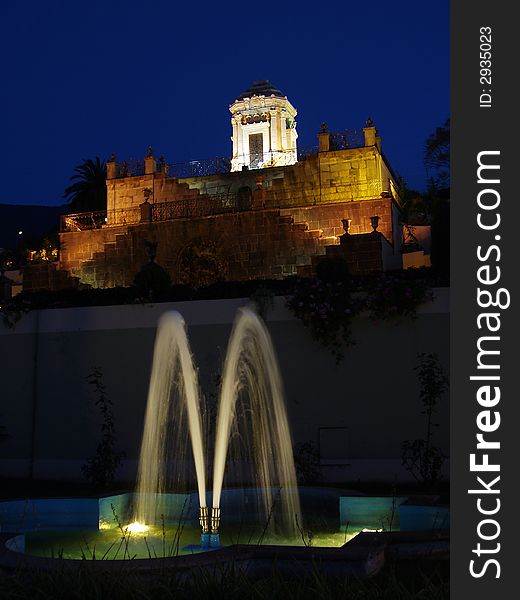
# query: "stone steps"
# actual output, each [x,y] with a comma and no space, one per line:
[330,240]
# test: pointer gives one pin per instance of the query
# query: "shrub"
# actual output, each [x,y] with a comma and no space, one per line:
[327,309]
[100,470]
[420,457]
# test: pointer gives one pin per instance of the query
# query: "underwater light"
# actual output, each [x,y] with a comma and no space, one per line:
[137,527]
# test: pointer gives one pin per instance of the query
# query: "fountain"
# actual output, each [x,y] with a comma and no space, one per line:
[252,447]
[252,422]
[166,421]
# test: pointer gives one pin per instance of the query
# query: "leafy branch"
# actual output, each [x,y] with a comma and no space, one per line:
[100,470]
[421,457]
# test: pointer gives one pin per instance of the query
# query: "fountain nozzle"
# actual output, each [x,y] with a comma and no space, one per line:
[215,519]
[203,519]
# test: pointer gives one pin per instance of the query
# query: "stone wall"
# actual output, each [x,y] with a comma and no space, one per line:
[335,176]
[328,217]
[289,216]
[253,244]
[362,253]
[47,276]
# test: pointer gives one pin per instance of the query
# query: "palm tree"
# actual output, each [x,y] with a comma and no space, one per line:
[89,192]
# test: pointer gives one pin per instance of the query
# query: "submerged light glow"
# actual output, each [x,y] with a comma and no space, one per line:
[137,527]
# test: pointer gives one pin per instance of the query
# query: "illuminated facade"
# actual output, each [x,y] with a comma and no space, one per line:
[268,212]
[264,128]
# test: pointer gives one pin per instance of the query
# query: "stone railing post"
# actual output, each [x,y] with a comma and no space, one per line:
[146,212]
[370,133]
[112,167]
[145,207]
[150,163]
[324,138]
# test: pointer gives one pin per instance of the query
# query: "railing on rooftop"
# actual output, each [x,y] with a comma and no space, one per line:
[350,138]
[220,165]
[205,205]
[83,221]
[199,206]
[202,206]
[130,168]
[198,168]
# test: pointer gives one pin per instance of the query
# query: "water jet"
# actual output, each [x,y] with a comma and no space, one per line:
[251,420]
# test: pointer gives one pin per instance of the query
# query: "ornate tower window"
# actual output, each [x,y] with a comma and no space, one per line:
[256,150]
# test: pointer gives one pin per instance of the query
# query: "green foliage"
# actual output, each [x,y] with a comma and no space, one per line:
[333,269]
[263,301]
[152,282]
[307,463]
[327,309]
[327,306]
[437,156]
[392,296]
[100,470]
[420,457]
[88,192]
[402,581]
[422,460]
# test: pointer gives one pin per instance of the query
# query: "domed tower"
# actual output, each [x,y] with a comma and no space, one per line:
[264,129]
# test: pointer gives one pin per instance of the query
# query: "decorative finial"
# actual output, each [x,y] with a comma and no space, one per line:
[346,225]
[324,128]
[150,151]
[147,192]
[112,157]
[369,122]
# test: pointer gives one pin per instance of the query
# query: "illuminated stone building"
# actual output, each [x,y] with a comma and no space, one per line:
[270,211]
[264,129]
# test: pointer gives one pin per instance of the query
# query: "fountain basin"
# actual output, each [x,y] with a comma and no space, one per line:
[363,557]
[87,527]
[72,528]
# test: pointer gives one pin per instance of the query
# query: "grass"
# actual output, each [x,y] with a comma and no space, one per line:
[407,580]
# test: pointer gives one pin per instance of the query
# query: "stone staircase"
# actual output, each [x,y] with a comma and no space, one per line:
[314,244]
[284,247]
[115,255]
[48,276]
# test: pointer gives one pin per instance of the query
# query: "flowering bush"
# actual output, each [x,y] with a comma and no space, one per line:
[391,296]
[327,308]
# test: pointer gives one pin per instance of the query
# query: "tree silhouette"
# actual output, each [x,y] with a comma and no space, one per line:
[437,156]
[89,192]
[437,162]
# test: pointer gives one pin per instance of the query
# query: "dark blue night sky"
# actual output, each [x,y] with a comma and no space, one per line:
[82,79]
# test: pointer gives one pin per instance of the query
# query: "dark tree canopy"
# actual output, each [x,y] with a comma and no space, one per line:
[437,156]
[88,192]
